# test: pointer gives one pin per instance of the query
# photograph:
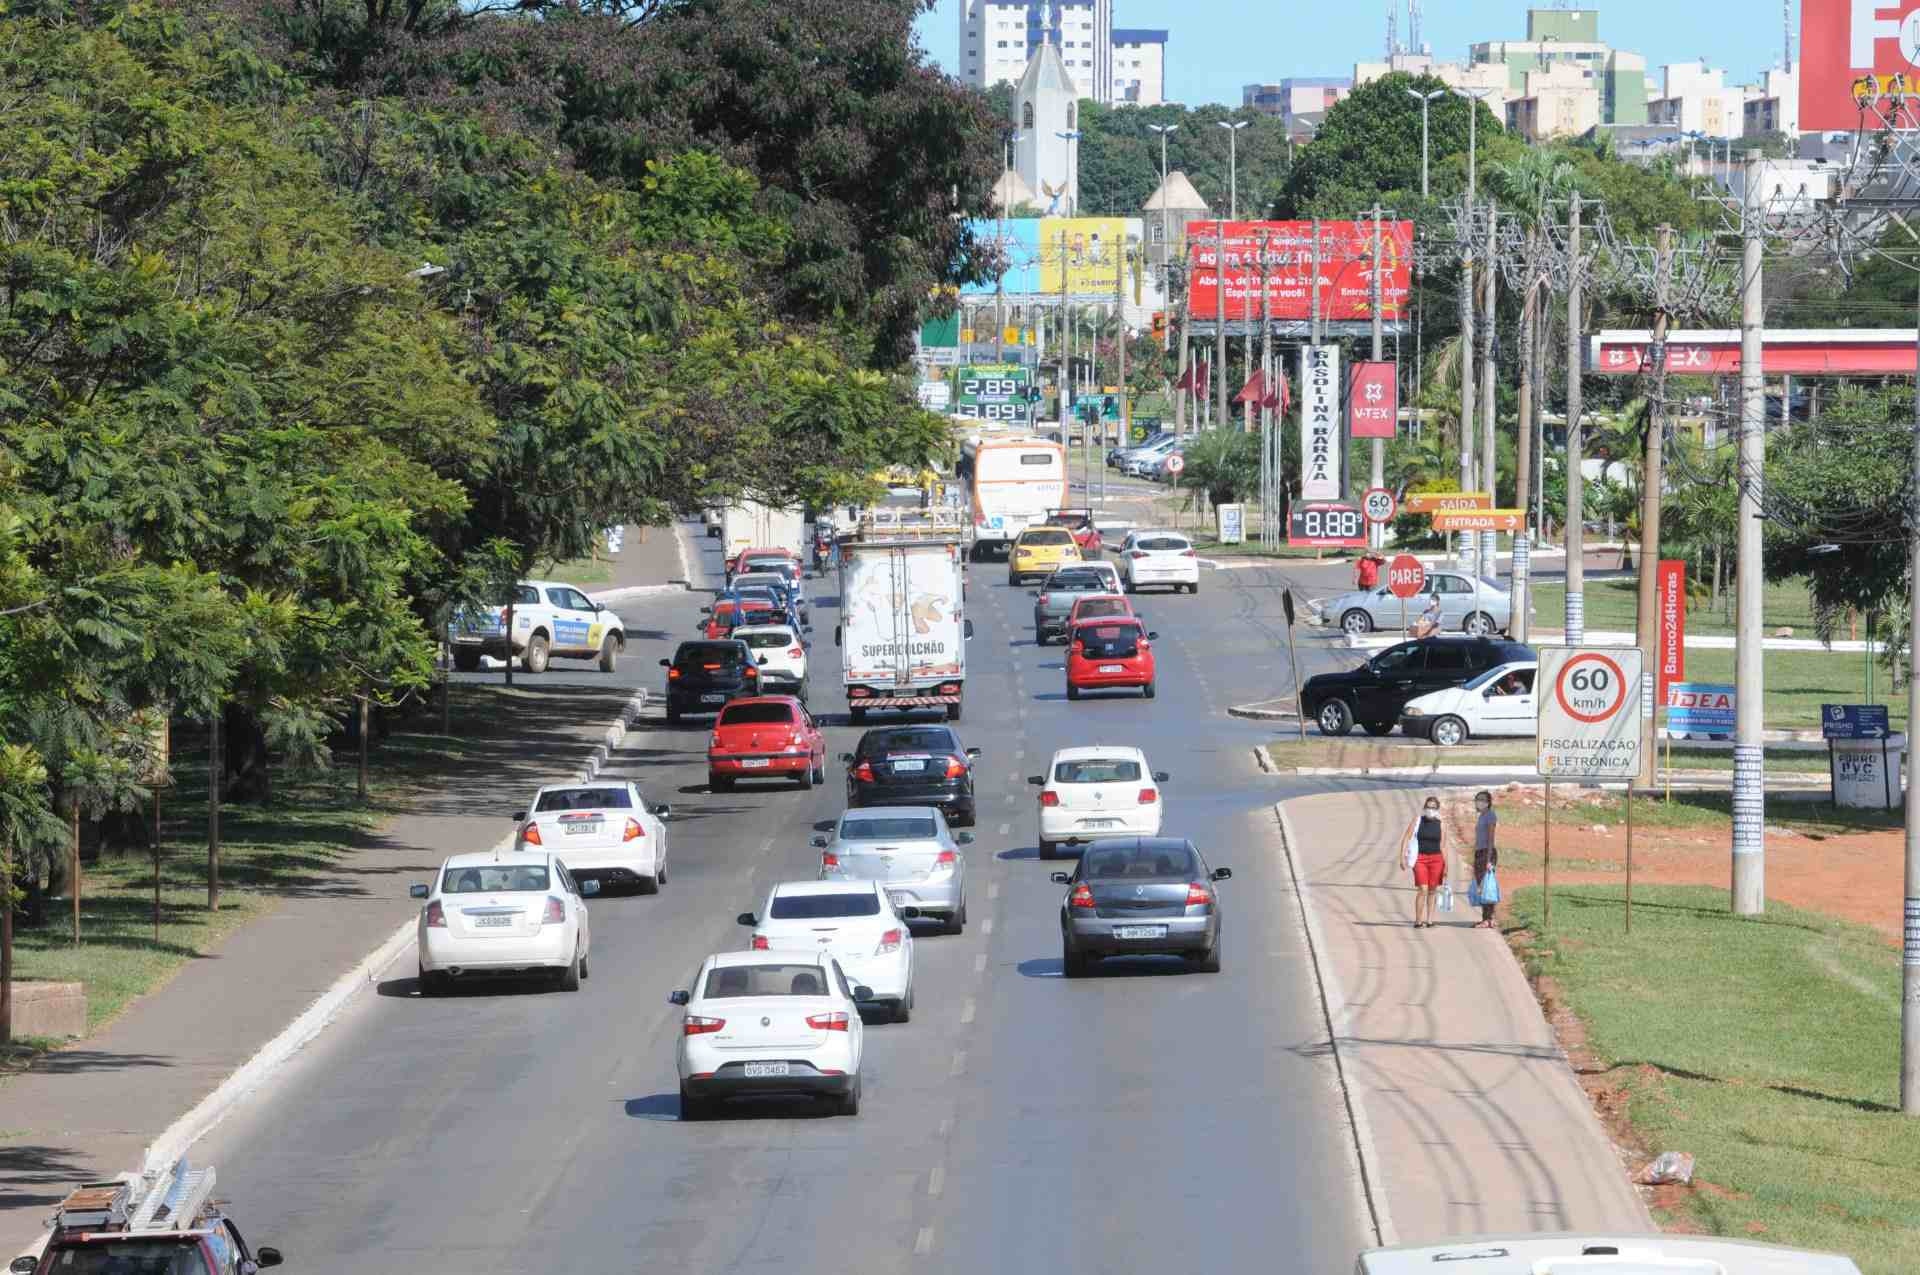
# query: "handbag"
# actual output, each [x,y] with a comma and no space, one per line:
[1488,888]
[1411,849]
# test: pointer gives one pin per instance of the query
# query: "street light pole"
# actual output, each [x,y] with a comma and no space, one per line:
[1000,283]
[1166,282]
[1233,166]
[1424,99]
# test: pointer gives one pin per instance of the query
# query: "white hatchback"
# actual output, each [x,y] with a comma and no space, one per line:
[1159,558]
[769,1024]
[852,921]
[606,830]
[517,912]
[1106,790]
[781,656]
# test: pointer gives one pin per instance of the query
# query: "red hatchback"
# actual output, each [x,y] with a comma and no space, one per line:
[1112,651]
[766,735]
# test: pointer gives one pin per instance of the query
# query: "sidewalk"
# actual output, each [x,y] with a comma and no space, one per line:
[90,1111]
[1469,1119]
[650,558]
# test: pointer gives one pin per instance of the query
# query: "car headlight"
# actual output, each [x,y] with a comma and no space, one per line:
[1413,712]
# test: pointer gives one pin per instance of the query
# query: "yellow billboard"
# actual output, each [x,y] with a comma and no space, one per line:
[1087,250]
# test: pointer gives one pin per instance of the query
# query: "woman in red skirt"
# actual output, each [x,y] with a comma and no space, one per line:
[1428,840]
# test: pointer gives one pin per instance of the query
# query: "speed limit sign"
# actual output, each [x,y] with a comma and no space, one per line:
[1588,712]
[1379,505]
[1175,463]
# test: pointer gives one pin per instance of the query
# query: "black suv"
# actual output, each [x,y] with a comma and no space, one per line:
[703,676]
[1374,693]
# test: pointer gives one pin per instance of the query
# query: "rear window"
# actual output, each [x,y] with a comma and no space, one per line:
[1099,606]
[897,828]
[756,715]
[911,740]
[780,566]
[136,1257]
[1046,536]
[495,878]
[1161,543]
[765,980]
[701,654]
[1097,770]
[813,907]
[1111,862]
[1075,584]
[1108,639]
[585,799]
[767,641]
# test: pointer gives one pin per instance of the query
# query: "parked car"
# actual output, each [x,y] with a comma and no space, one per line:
[1474,607]
[1118,455]
[550,619]
[1161,469]
[1102,790]
[1498,702]
[1140,896]
[606,829]
[913,766]
[1111,653]
[703,676]
[910,851]
[764,737]
[770,1024]
[1053,600]
[1159,558]
[1373,693]
[494,914]
[1138,461]
[855,922]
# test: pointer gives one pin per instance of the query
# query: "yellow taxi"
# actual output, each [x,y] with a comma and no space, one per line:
[1038,551]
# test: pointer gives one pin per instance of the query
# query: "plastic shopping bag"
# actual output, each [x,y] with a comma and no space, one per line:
[1446,897]
[1488,887]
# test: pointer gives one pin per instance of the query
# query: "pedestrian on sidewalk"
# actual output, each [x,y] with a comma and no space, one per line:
[1425,852]
[1486,859]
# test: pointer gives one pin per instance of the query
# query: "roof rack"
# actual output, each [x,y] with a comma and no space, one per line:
[173,1199]
[935,523]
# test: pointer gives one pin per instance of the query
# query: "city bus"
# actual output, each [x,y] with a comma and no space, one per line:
[1012,482]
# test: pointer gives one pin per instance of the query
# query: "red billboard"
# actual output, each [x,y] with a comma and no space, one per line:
[1670,606]
[1373,400]
[1844,41]
[1281,253]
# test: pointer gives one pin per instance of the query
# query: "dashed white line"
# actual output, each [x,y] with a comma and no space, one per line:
[980,963]
[993,887]
[986,926]
[936,1179]
[923,1242]
[959,1061]
[946,1127]
[967,1011]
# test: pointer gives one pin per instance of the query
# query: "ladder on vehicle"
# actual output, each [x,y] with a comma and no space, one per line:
[172,1199]
[934,523]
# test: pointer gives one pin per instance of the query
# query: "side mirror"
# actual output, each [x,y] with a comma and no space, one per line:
[25,1265]
[665,663]
[818,842]
[746,918]
[417,892]
[265,1257]
[847,758]
[517,815]
[590,887]
[1160,776]
[836,635]
[963,838]
[663,811]
[762,661]
[1061,878]
[1220,874]
[706,610]
[862,993]
[1037,780]
[973,752]
[599,606]
[910,914]
[1153,637]
[678,998]
[1033,593]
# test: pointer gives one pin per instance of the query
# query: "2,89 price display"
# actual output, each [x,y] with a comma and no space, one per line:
[1326,524]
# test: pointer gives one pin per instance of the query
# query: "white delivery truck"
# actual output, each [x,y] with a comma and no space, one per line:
[903,632]
[751,525]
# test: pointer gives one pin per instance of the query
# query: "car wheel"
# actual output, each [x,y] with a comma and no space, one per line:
[1129,585]
[1208,962]
[586,970]
[1147,690]
[806,778]
[432,982]
[1040,638]
[957,923]
[660,877]
[535,660]
[1049,849]
[820,773]
[965,817]
[1479,624]
[651,885]
[569,980]
[1073,964]
[466,660]
[903,1011]
[1356,622]
[849,1104]
[1448,732]
[673,716]
[609,653]
[1377,729]
[1335,717]
[692,1108]
[1073,692]
[717,784]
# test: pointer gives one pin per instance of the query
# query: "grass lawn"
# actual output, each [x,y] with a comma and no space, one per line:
[581,572]
[1767,1047]
[1700,810]
[1614,605]
[1321,751]
[1798,682]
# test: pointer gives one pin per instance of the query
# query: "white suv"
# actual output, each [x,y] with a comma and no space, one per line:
[549,619]
[780,655]
[1106,790]
[1159,557]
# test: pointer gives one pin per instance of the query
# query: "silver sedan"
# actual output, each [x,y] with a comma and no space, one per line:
[910,851]
[1474,607]
[1140,896]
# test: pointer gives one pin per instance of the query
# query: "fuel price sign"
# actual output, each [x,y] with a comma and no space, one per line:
[1588,724]
[1326,524]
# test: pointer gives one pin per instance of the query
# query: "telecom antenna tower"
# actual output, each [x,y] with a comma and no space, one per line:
[1413,27]
[1393,34]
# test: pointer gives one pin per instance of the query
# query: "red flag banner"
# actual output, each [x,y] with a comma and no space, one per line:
[1255,390]
[1280,253]
[1283,398]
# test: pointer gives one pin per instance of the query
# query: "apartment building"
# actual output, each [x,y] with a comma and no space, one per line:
[999,37]
[1139,66]
[1695,98]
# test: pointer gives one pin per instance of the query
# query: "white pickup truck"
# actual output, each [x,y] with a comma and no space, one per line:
[549,619]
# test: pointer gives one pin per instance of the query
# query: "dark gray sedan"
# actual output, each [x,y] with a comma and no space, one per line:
[1053,600]
[1140,896]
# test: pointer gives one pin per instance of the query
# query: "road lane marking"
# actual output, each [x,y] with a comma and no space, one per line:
[959,1061]
[923,1242]
[986,926]
[936,1179]
[946,1127]
[993,887]
[980,963]
[1005,828]
[967,1011]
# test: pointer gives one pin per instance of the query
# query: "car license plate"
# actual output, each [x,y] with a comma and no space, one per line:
[752,763]
[1099,823]
[909,765]
[713,699]
[1111,668]
[1141,932]
[492,922]
[574,828]
[765,1069]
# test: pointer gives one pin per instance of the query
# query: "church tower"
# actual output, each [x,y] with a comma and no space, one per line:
[1046,104]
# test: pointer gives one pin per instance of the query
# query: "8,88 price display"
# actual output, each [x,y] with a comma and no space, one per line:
[1326,524]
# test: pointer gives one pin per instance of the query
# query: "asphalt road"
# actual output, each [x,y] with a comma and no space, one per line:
[1151,1119]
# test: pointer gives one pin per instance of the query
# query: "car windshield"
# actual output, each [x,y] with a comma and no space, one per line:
[812,907]
[1097,770]
[1111,862]
[892,828]
[769,641]
[919,739]
[1395,658]
[1046,536]
[584,799]
[756,715]
[134,1257]
[765,980]
[495,878]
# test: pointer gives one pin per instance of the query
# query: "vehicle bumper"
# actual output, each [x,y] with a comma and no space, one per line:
[497,647]
[1049,626]
[782,684]
[1102,681]
[1098,936]
[1058,825]
[441,952]
[1162,576]
[775,764]
[636,861]
[803,1078]
[908,795]
[697,701]
[938,895]
[1418,727]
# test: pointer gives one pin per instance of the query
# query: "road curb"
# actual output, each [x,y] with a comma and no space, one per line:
[612,737]
[1378,1216]
[1254,714]
[1261,760]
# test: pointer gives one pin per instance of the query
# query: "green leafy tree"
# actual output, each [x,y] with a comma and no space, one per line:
[1223,463]
[1368,149]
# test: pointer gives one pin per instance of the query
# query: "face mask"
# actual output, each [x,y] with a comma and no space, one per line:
[1432,812]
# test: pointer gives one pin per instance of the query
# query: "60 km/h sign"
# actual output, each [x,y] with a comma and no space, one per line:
[1378,505]
[1589,712]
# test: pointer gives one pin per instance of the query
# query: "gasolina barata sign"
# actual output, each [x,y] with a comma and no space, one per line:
[1588,724]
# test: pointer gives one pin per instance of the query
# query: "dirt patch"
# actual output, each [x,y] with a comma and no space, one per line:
[1858,876]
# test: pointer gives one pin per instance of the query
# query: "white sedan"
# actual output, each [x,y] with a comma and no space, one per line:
[1497,702]
[1159,557]
[773,1023]
[855,923]
[513,913]
[1106,790]
[606,829]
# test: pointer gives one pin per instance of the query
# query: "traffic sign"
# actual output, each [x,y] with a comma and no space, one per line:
[1378,505]
[1405,576]
[1854,721]
[1175,463]
[1479,519]
[1426,502]
[1588,723]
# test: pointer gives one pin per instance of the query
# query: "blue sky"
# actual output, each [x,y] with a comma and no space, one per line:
[1215,46]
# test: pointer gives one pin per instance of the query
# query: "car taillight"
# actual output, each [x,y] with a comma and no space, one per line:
[834,1022]
[828,859]
[531,834]
[889,942]
[698,1026]
[1049,798]
[945,861]
[673,674]
[863,772]
[556,913]
[751,671]
[1043,599]
[634,831]
[1197,894]
[436,915]
[1188,553]
[955,768]
[760,943]
[1148,796]
[796,652]
[1136,554]
[1082,896]
[714,745]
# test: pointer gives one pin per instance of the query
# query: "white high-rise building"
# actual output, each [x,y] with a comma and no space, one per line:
[1139,67]
[997,37]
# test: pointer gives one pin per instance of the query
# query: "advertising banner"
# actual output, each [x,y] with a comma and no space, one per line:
[1842,41]
[1281,254]
[1373,400]
[1670,607]
[1022,249]
[1319,422]
[1700,708]
[1093,248]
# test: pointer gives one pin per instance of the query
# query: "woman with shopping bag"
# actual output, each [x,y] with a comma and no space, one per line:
[1423,851]
[1485,891]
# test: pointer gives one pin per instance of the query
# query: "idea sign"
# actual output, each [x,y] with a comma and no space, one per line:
[1405,576]
[1589,716]
[1844,41]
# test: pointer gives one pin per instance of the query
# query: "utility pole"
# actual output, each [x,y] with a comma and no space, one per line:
[1647,629]
[1576,563]
[1749,774]
[1377,465]
[1066,345]
[1269,472]
[1523,451]
[1000,283]
[1910,967]
[1166,280]
[1464,547]
[1120,344]
[1220,320]
[216,768]
[1182,397]
[1489,454]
